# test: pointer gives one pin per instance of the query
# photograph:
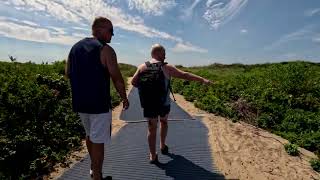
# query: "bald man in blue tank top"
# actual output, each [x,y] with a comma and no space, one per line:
[91,63]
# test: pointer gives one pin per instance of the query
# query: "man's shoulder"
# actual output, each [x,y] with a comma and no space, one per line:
[168,66]
[85,42]
[108,48]
[142,66]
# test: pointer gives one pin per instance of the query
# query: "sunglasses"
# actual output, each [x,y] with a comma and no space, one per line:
[111,31]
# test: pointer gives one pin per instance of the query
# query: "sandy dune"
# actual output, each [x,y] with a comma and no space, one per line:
[241,151]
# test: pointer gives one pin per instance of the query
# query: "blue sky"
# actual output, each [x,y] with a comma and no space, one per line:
[194,32]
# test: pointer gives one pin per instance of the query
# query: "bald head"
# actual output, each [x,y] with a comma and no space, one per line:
[156,48]
[100,25]
[158,52]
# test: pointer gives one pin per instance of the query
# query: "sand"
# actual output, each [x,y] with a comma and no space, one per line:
[241,151]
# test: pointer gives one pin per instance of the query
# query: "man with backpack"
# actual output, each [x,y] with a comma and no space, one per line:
[152,79]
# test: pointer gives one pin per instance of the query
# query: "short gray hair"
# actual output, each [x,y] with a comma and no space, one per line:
[156,47]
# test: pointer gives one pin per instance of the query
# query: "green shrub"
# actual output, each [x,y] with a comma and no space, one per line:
[283,98]
[315,164]
[292,149]
[37,125]
[265,121]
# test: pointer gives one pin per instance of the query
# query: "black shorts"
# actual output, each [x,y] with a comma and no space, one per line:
[154,112]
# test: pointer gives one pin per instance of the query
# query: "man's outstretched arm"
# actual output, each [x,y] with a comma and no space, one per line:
[109,59]
[177,73]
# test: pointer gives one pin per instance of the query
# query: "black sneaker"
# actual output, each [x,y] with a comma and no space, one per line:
[165,150]
[107,178]
[155,161]
[102,178]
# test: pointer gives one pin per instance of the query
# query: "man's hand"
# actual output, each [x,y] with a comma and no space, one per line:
[125,103]
[207,82]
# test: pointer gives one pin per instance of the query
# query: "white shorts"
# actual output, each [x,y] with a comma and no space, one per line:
[97,126]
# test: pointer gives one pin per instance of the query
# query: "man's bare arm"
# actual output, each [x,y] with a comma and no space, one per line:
[109,59]
[135,78]
[177,73]
[67,68]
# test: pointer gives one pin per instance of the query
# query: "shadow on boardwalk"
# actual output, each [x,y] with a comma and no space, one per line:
[180,168]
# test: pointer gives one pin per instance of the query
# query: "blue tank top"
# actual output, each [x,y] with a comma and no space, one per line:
[90,80]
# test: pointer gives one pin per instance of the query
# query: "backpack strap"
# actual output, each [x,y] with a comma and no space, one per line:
[148,64]
[170,87]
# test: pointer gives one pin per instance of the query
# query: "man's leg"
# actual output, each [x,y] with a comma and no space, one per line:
[97,159]
[89,147]
[163,130]
[99,135]
[85,119]
[152,136]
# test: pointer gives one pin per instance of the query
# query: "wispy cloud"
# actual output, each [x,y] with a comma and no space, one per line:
[306,32]
[220,12]
[243,31]
[81,28]
[187,13]
[15,20]
[79,35]
[187,47]
[289,55]
[316,38]
[28,33]
[312,12]
[152,7]
[79,14]
[29,23]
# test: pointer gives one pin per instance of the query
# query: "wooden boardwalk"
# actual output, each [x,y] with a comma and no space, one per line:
[126,158]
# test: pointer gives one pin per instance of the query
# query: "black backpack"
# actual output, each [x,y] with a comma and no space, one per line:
[151,85]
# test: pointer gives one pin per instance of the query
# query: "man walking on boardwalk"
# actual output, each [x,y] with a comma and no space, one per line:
[153,81]
[90,65]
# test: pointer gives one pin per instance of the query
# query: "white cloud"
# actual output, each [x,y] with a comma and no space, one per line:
[316,39]
[289,55]
[79,35]
[219,13]
[243,31]
[187,47]
[301,34]
[116,43]
[210,3]
[152,7]
[84,11]
[312,12]
[179,31]
[78,14]
[81,28]
[187,13]
[29,23]
[57,30]
[15,20]
[23,32]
